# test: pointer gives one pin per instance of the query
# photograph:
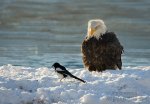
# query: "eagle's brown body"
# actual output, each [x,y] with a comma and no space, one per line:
[103,53]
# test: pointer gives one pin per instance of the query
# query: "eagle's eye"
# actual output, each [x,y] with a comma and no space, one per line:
[96,27]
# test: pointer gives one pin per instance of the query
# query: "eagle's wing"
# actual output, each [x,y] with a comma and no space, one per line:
[86,53]
[113,49]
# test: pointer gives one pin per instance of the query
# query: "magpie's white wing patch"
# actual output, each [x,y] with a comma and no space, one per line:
[59,69]
[60,73]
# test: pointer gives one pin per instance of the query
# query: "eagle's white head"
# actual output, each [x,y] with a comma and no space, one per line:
[96,28]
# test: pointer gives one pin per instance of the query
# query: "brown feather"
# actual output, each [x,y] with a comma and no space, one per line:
[102,54]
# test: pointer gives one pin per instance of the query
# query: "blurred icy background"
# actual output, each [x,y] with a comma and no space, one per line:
[39,32]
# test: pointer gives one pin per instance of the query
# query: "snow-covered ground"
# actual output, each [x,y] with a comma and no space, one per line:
[25,85]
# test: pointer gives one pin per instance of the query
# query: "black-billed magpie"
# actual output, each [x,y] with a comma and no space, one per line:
[63,73]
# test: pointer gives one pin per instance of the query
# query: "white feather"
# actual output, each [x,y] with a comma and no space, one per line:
[58,74]
[59,69]
[99,31]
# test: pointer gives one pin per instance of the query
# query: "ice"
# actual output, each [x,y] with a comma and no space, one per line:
[26,85]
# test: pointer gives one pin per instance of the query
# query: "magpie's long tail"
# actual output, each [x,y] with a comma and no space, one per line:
[77,78]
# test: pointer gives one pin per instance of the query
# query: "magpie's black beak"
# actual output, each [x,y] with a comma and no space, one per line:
[53,67]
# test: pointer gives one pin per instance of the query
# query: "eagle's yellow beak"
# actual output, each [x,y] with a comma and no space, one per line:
[92,30]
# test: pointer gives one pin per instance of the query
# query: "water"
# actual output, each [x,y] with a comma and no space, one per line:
[38,33]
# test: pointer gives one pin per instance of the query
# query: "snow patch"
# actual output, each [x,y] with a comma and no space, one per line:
[89,99]
[26,85]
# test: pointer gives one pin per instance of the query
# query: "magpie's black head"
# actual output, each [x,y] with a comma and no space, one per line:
[55,65]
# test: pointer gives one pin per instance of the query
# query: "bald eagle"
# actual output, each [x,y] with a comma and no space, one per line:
[101,49]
